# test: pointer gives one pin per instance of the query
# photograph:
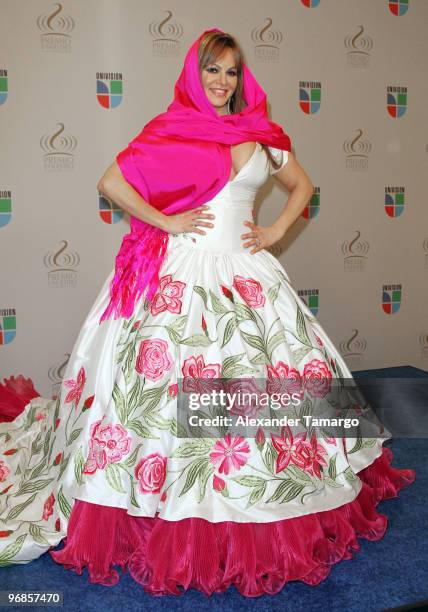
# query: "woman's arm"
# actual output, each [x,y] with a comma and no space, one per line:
[113,185]
[300,188]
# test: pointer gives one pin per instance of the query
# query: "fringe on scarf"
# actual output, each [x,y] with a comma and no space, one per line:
[137,267]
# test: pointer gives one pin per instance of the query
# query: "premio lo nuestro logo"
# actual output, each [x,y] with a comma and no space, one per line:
[394,201]
[357,151]
[109,89]
[310,3]
[56,27]
[353,348]
[311,299]
[398,7]
[166,36]
[425,248]
[423,341]
[355,253]
[396,101]
[61,265]
[56,374]
[391,298]
[5,207]
[109,211]
[359,46]
[58,149]
[7,325]
[310,96]
[266,41]
[3,85]
[312,209]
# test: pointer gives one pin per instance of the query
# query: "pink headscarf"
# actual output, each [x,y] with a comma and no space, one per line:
[180,160]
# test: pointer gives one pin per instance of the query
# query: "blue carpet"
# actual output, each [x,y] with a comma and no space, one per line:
[383,574]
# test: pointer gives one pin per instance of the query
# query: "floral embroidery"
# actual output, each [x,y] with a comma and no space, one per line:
[151,473]
[48,507]
[288,448]
[198,375]
[250,290]
[167,296]
[108,444]
[317,378]
[154,359]
[76,387]
[4,471]
[282,379]
[230,453]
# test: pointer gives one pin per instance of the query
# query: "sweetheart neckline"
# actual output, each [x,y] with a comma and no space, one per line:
[246,163]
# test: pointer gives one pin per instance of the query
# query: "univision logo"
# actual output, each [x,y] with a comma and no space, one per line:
[7,325]
[310,96]
[55,28]
[310,3]
[357,151]
[355,253]
[396,101]
[109,89]
[311,299]
[359,46]
[58,149]
[166,36]
[353,349]
[312,209]
[394,201]
[3,85]
[109,211]
[5,207]
[56,374]
[61,266]
[266,41]
[398,7]
[391,298]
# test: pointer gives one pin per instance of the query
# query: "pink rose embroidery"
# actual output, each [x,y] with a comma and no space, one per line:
[230,453]
[247,400]
[48,507]
[151,473]
[4,471]
[108,444]
[76,387]
[153,359]
[282,380]
[166,298]
[316,378]
[250,290]
[198,376]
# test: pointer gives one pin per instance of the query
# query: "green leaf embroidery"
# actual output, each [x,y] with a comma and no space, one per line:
[195,448]
[11,550]
[114,477]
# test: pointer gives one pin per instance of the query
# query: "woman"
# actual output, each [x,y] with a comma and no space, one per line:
[115,464]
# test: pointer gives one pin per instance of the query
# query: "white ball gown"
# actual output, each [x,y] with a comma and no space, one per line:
[103,471]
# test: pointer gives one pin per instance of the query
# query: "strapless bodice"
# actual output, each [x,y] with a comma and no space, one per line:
[233,205]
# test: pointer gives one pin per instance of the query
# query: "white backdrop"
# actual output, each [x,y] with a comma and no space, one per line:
[345,78]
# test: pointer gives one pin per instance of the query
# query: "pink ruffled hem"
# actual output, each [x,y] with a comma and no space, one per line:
[169,557]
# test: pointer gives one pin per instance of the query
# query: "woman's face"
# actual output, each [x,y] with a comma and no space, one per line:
[219,81]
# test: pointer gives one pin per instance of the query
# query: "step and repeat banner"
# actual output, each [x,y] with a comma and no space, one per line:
[345,78]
